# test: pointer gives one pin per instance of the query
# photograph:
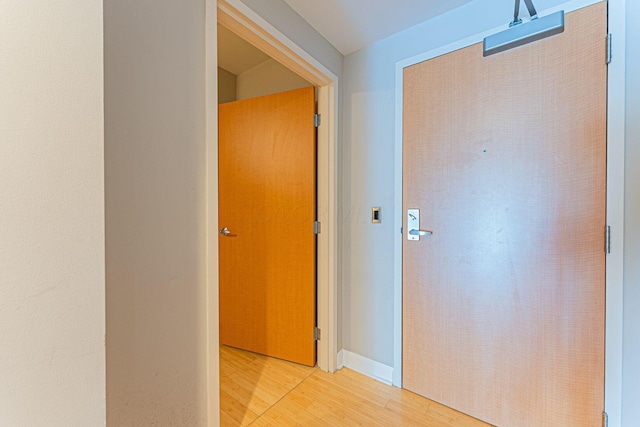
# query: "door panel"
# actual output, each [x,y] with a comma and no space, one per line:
[505,156]
[267,173]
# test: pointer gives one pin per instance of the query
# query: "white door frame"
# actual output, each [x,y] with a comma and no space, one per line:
[615,198]
[242,20]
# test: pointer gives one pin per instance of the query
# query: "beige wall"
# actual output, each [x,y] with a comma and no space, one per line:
[267,78]
[155,153]
[226,86]
[51,214]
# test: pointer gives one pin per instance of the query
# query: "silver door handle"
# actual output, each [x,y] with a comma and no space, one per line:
[420,232]
[413,225]
[225,231]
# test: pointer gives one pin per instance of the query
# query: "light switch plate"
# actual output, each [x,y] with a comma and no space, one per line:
[376,215]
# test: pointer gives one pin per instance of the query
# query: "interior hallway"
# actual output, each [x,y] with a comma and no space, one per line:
[262,391]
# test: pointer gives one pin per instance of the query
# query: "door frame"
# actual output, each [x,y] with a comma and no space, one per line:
[246,23]
[615,197]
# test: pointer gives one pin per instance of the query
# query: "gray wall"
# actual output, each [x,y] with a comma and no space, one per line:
[155,212]
[631,373]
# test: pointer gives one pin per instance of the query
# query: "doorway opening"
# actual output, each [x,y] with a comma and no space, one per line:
[241,21]
[266,187]
[236,17]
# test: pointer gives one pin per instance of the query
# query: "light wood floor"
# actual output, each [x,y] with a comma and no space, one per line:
[261,391]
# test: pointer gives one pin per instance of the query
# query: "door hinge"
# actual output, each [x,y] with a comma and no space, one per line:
[316,120]
[316,334]
[316,227]
[607,239]
[609,47]
[605,419]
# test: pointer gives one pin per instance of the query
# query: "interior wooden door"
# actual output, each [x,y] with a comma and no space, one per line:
[505,156]
[267,208]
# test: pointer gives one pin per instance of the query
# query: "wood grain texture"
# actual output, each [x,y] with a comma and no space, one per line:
[503,307]
[261,391]
[251,383]
[267,185]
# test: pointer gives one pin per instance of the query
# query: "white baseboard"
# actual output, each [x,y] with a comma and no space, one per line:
[376,370]
[340,361]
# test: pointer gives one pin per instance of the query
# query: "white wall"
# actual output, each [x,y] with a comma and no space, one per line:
[631,377]
[155,153]
[52,317]
[267,78]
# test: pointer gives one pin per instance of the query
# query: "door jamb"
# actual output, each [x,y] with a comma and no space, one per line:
[244,22]
[615,198]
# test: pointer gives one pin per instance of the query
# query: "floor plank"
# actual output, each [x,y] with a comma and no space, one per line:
[260,391]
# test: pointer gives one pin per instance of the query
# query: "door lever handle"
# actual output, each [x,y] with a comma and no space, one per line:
[225,231]
[413,225]
[420,232]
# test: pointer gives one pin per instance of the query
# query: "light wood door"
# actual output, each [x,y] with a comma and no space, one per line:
[267,201]
[505,156]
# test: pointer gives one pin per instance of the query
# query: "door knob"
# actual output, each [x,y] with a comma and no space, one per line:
[225,231]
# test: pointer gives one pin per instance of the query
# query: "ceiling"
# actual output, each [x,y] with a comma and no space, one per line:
[350,25]
[236,55]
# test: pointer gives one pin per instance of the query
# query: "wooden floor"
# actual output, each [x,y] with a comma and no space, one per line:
[260,391]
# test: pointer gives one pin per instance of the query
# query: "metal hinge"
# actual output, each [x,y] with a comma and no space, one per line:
[607,239]
[609,47]
[316,227]
[605,419]
[316,334]
[316,120]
